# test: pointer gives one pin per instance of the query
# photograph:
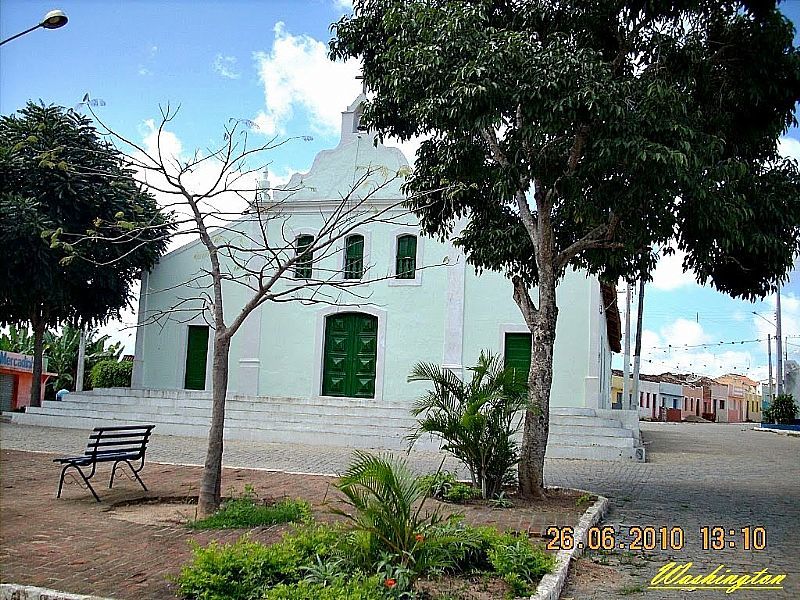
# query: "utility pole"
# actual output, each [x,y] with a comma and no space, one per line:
[81,361]
[627,399]
[769,360]
[778,344]
[638,350]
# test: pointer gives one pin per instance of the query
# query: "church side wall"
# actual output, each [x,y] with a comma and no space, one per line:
[491,313]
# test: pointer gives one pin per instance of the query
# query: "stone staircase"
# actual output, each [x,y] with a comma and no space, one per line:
[574,432]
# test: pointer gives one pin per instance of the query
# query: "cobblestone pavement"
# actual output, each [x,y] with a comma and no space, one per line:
[697,475]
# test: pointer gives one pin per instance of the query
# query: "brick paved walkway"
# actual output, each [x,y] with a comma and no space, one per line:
[698,475]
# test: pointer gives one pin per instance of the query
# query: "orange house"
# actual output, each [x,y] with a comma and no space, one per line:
[16,379]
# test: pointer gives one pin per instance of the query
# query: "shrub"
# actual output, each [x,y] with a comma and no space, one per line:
[476,420]
[112,373]
[782,410]
[519,562]
[356,588]
[444,486]
[237,571]
[388,500]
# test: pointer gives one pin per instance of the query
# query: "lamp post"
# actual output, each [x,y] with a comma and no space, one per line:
[52,20]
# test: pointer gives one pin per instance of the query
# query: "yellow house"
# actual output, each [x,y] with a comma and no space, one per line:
[616,388]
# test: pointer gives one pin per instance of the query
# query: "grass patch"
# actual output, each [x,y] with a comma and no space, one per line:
[629,590]
[242,513]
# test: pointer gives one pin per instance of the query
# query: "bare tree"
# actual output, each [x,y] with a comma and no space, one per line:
[253,249]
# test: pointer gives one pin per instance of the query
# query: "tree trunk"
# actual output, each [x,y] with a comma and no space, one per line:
[38,325]
[211,484]
[542,324]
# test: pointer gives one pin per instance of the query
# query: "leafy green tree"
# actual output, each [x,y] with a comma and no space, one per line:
[782,410]
[581,134]
[62,356]
[17,339]
[476,419]
[76,230]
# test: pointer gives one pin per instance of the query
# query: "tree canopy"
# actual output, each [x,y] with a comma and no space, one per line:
[76,229]
[632,124]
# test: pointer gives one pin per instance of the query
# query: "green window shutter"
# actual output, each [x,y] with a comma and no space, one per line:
[354,257]
[350,355]
[304,266]
[406,257]
[196,355]
[517,353]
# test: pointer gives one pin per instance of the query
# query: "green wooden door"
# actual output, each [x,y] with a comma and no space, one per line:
[196,355]
[517,353]
[351,351]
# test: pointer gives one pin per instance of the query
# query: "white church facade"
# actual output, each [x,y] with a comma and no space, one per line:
[346,361]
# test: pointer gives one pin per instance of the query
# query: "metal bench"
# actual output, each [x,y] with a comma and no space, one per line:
[109,444]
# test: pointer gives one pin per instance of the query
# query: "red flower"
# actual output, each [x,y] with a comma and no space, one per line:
[419,537]
[390,583]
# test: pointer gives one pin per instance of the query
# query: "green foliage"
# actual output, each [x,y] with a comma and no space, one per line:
[604,113]
[62,186]
[112,373]
[444,486]
[61,350]
[245,512]
[519,562]
[782,410]
[17,339]
[356,588]
[237,571]
[476,419]
[388,502]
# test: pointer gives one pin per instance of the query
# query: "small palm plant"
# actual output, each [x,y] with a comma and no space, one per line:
[475,419]
[388,500]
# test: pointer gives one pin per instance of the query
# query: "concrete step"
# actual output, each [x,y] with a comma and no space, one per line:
[234,418]
[594,440]
[595,453]
[164,407]
[195,398]
[572,411]
[570,430]
[584,421]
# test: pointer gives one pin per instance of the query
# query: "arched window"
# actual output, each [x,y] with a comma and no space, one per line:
[350,355]
[304,266]
[354,257]
[406,264]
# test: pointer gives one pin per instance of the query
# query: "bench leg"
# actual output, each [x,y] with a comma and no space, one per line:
[134,471]
[85,479]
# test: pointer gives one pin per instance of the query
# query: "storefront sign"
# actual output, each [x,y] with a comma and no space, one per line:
[13,360]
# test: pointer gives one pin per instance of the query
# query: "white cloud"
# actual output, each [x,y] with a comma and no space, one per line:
[343,5]
[684,332]
[666,350]
[669,274]
[225,66]
[143,71]
[789,147]
[297,73]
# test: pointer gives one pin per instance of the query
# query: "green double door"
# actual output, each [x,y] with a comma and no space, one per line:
[351,352]
[517,353]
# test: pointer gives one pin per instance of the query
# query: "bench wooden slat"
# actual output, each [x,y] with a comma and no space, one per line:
[112,442]
[106,435]
[123,428]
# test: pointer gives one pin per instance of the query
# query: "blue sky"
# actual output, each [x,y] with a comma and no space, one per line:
[265,61]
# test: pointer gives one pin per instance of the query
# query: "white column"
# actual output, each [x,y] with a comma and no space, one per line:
[454,312]
[137,377]
[592,379]
[250,362]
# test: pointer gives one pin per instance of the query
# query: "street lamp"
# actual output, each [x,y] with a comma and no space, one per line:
[52,20]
